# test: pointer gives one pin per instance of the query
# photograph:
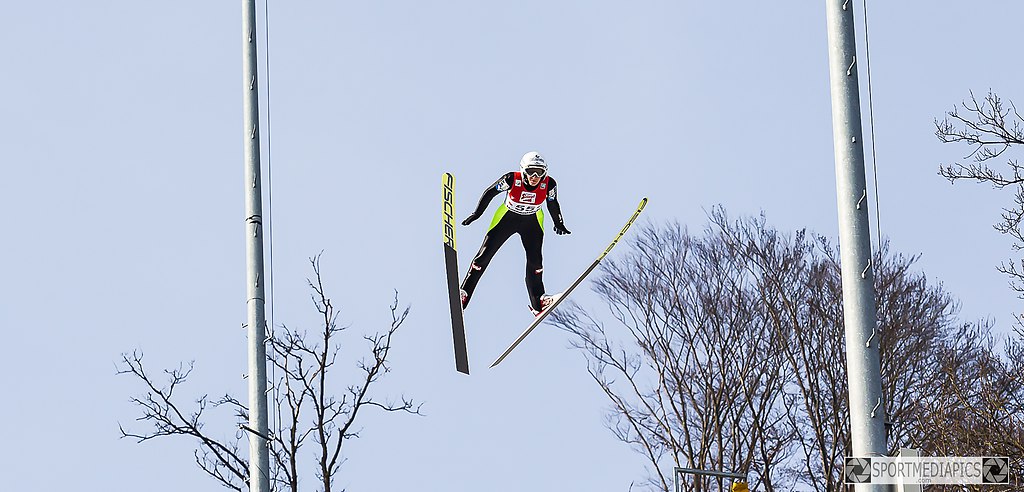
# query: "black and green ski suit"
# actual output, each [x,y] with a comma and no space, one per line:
[520,214]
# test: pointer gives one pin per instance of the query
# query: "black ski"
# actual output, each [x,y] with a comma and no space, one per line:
[560,297]
[451,264]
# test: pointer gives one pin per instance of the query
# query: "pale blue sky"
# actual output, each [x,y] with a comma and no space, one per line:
[120,144]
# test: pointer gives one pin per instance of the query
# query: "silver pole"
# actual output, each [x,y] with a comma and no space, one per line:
[259,455]
[867,410]
[710,473]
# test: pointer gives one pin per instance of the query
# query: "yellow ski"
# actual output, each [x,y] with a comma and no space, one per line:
[451,263]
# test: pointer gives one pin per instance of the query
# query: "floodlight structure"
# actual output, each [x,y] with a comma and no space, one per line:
[864,373]
[258,429]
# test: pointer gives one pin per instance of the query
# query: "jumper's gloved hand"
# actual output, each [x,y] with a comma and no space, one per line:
[470,219]
[560,229]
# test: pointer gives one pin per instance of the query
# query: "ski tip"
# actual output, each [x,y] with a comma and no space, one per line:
[501,358]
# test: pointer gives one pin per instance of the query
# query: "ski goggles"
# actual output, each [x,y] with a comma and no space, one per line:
[536,172]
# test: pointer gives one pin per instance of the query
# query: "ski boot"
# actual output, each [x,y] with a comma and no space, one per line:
[545,302]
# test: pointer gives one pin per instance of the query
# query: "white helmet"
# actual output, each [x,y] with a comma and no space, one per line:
[532,160]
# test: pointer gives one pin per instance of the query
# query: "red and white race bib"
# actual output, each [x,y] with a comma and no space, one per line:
[524,202]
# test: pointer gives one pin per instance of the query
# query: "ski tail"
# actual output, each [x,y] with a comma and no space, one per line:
[451,263]
[543,314]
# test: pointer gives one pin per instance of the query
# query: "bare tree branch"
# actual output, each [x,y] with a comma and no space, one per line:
[991,129]
[304,400]
[221,461]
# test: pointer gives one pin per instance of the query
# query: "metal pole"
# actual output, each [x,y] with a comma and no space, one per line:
[259,455]
[677,471]
[867,411]
[710,473]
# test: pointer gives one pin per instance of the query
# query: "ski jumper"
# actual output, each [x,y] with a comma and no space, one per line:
[520,214]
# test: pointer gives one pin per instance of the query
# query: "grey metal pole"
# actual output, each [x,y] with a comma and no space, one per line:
[259,455]
[677,471]
[867,410]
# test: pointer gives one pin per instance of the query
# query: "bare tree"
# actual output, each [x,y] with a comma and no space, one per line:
[739,332]
[693,382]
[798,288]
[981,405]
[304,401]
